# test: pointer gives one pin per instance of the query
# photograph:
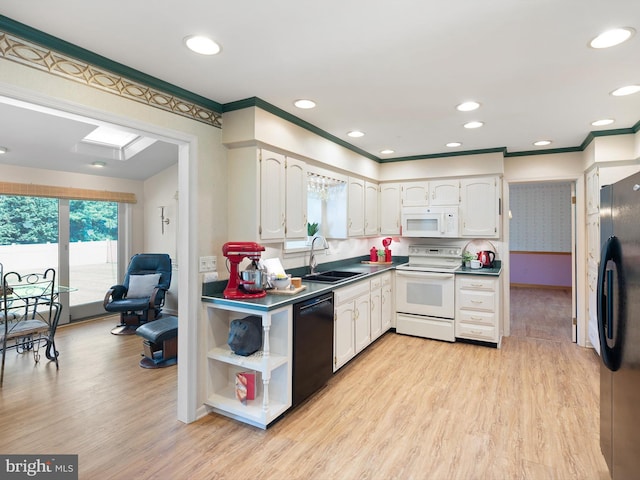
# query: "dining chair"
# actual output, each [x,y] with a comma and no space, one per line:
[29,315]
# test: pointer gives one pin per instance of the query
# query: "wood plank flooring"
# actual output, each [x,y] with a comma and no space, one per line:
[406,408]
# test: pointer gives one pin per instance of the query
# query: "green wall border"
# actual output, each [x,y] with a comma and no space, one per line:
[49,41]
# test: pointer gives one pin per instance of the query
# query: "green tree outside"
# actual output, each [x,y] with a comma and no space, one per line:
[29,220]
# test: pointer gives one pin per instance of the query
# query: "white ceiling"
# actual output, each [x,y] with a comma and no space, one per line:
[395,70]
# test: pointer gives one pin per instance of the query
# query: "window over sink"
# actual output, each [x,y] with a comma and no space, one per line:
[326,206]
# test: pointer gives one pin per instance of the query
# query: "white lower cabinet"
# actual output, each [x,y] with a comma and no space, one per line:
[363,312]
[352,328]
[381,304]
[388,306]
[271,365]
[478,308]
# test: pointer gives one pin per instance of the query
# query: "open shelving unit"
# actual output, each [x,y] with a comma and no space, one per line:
[272,365]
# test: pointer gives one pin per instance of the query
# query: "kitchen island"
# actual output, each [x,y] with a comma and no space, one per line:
[272,365]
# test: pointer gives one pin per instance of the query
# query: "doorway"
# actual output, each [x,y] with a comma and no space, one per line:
[542,246]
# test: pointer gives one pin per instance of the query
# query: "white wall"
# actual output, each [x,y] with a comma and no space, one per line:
[162,190]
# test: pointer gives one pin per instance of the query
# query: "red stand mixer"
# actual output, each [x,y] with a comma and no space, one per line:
[236,252]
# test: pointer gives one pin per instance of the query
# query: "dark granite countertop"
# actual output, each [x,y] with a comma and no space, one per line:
[212,292]
[493,271]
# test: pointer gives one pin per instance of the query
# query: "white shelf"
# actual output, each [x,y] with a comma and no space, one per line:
[226,403]
[256,361]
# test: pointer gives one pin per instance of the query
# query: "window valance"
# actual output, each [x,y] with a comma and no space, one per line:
[70,193]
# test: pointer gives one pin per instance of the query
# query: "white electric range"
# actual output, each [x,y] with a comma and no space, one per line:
[425,292]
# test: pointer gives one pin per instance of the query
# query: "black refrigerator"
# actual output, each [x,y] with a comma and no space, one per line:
[619,327]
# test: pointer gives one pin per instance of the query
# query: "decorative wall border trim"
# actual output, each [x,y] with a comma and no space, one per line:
[16,49]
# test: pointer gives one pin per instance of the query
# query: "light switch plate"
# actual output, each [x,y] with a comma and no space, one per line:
[208,264]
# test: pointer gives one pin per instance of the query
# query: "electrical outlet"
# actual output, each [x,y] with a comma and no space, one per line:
[207,264]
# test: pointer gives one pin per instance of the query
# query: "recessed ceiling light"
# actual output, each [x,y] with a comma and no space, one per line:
[473,124]
[387,151]
[303,103]
[468,106]
[627,90]
[3,150]
[454,144]
[612,37]
[99,164]
[542,143]
[202,45]
[355,134]
[603,122]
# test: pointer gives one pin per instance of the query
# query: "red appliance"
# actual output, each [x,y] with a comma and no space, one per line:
[235,253]
[387,251]
[486,258]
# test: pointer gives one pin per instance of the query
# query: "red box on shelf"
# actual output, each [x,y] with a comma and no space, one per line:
[245,386]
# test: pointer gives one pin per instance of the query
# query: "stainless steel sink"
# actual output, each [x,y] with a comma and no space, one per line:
[331,276]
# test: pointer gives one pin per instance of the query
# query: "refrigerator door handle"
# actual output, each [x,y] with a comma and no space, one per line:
[609,319]
[610,325]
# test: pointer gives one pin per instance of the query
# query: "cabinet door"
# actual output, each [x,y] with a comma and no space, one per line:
[343,338]
[389,209]
[362,322]
[444,192]
[272,195]
[593,237]
[296,199]
[370,208]
[376,313]
[415,194]
[355,225]
[480,207]
[593,191]
[387,308]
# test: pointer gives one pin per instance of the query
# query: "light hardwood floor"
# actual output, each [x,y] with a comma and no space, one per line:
[407,408]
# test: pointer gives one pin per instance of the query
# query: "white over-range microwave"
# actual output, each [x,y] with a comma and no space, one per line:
[440,222]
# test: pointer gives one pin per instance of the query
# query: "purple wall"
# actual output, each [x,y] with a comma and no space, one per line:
[541,268]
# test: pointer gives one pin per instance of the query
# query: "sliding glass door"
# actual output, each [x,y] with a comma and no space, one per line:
[79,238]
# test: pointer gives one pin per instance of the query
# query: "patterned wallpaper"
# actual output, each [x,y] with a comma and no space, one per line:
[541,217]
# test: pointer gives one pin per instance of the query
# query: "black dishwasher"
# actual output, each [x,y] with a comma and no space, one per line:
[312,345]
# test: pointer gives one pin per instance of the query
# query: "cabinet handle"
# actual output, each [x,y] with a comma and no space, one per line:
[475,318]
[477,301]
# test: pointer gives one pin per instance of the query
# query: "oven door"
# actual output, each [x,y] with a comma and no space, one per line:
[425,293]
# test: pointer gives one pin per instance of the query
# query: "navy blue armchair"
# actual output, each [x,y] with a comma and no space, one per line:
[141,296]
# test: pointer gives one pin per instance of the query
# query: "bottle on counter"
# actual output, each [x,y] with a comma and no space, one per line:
[373,254]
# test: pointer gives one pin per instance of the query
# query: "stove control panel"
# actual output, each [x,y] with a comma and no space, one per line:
[434,251]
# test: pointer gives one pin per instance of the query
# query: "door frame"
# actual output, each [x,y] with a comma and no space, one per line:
[189,289]
[578,284]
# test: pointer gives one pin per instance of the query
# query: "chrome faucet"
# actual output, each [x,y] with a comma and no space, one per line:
[312,258]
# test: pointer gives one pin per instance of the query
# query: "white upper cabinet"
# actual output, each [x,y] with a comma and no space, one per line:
[415,194]
[444,192]
[296,199]
[355,207]
[370,208]
[480,207]
[272,195]
[282,199]
[389,208]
